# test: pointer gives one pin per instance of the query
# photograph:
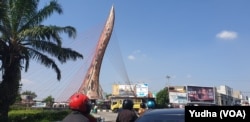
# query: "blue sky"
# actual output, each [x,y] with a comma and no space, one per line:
[204,43]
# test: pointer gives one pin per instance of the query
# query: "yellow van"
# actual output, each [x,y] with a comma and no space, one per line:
[116,103]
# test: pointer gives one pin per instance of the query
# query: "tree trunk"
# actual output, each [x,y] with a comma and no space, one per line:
[4,105]
[9,88]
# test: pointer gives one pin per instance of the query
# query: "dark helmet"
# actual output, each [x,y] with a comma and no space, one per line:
[127,104]
[151,104]
[80,102]
[142,105]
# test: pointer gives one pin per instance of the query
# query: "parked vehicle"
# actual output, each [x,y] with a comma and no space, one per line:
[163,115]
[39,105]
[116,102]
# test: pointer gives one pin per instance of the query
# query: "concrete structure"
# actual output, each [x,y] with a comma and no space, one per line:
[90,85]
[224,100]
[227,96]
[226,90]
[238,96]
[224,95]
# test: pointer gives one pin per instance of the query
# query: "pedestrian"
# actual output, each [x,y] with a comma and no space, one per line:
[95,108]
[127,114]
[81,108]
[142,109]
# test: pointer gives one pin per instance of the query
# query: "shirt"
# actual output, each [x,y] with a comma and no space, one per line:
[126,115]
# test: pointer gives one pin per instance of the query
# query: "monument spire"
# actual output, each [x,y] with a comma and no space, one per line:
[90,85]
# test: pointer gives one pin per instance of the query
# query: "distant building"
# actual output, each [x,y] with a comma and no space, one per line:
[27,99]
[238,96]
[222,95]
[227,96]
[226,90]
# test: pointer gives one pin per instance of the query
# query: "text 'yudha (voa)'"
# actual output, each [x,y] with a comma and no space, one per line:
[217,113]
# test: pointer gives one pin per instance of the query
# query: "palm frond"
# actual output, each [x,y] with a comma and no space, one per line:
[43,14]
[67,53]
[49,33]
[22,11]
[5,33]
[2,8]
[45,60]
[61,53]
[25,58]
[5,19]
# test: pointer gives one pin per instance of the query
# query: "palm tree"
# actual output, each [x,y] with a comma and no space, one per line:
[23,38]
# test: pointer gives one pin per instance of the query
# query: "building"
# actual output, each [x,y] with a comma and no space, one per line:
[222,95]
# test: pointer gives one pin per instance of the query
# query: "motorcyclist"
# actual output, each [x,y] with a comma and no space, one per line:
[151,105]
[81,107]
[142,109]
[127,114]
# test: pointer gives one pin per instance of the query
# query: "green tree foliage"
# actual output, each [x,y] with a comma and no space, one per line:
[49,101]
[23,38]
[29,93]
[108,95]
[162,98]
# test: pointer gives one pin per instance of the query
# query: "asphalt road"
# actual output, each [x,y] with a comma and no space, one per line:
[108,116]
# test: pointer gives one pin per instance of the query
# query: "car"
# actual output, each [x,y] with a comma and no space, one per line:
[163,115]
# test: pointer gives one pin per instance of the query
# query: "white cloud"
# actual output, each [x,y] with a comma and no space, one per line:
[131,57]
[26,81]
[227,35]
[135,54]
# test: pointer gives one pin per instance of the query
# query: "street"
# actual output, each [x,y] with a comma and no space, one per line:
[108,116]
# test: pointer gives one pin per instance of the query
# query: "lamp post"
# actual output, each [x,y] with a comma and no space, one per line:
[168,83]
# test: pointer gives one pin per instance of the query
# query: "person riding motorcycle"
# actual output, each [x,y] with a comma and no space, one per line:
[142,109]
[127,114]
[81,108]
[151,104]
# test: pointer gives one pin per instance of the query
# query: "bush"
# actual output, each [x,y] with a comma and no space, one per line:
[37,115]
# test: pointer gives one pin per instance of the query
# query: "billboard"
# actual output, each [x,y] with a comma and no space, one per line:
[123,90]
[177,89]
[201,94]
[177,97]
[142,90]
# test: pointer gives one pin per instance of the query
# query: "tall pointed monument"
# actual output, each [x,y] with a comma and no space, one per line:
[90,85]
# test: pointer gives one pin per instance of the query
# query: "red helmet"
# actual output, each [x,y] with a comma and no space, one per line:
[80,102]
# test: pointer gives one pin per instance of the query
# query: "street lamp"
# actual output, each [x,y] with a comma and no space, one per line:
[168,83]
[168,77]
